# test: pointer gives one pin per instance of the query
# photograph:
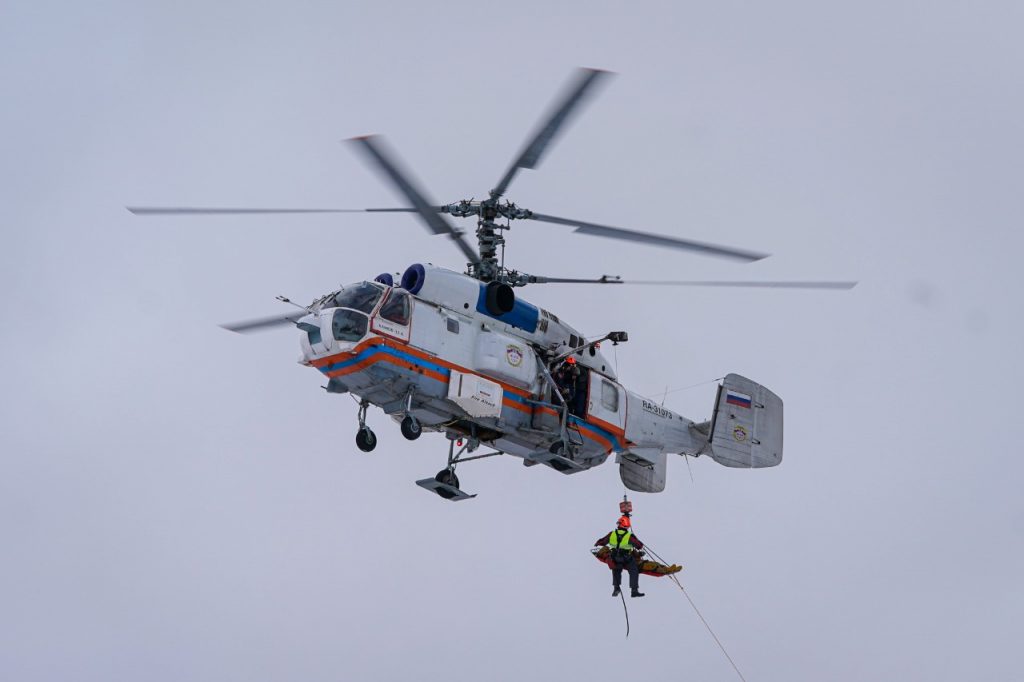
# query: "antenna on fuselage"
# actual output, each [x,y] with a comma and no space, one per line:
[285,299]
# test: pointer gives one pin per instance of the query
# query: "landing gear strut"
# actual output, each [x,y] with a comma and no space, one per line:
[448,487]
[446,483]
[366,439]
[411,427]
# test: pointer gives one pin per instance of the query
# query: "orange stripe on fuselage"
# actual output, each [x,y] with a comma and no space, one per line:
[384,357]
[405,364]
[583,424]
[331,359]
[592,435]
[610,428]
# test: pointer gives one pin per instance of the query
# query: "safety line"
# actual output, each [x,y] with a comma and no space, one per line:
[623,596]
[697,611]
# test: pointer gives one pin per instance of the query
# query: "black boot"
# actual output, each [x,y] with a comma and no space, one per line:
[636,593]
[615,592]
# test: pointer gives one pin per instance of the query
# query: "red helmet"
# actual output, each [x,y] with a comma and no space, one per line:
[571,360]
[624,522]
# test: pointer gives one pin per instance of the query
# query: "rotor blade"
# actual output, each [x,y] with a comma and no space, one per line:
[579,90]
[433,220]
[614,279]
[179,210]
[651,238]
[749,285]
[263,323]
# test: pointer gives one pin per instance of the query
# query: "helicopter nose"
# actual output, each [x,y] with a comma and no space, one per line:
[311,337]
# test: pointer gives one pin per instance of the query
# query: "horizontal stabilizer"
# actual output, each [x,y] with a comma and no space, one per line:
[746,430]
[643,471]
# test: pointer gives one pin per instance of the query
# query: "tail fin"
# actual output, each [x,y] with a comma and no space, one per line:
[746,429]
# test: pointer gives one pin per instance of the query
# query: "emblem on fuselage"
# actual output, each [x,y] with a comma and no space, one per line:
[514,355]
[739,433]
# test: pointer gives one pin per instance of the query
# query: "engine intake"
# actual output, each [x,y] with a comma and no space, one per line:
[413,278]
[500,298]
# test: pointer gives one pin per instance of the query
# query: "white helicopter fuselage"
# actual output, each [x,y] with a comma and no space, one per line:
[437,348]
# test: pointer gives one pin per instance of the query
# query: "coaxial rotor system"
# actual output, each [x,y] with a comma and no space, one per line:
[483,262]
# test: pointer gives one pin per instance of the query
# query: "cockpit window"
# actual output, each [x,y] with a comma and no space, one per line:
[348,325]
[312,332]
[397,308]
[362,297]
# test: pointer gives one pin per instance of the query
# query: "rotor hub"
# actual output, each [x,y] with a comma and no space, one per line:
[488,236]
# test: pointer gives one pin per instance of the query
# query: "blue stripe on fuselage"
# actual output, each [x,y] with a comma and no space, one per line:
[387,350]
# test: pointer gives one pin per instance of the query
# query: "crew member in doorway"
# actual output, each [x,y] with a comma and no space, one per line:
[623,545]
[567,377]
[582,381]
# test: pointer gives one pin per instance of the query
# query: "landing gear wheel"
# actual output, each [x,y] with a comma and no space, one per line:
[366,440]
[411,427]
[559,448]
[448,477]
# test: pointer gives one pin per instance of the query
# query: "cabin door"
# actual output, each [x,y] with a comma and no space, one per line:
[606,402]
[395,316]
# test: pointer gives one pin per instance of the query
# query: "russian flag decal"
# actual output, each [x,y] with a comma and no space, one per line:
[737,399]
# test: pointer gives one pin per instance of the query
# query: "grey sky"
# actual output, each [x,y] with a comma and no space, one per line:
[179,502]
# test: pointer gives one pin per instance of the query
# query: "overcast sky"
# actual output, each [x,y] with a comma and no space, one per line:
[179,502]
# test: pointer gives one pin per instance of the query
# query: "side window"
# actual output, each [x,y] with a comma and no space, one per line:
[609,396]
[348,325]
[396,309]
[312,332]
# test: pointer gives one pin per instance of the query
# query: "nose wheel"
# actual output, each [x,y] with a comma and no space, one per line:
[366,439]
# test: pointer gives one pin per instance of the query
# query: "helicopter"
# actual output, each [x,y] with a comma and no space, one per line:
[460,353]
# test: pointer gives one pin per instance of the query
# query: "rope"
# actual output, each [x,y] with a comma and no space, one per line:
[699,615]
[686,388]
[622,595]
[719,643]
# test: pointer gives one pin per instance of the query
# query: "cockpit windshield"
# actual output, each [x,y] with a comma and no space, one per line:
[362,297]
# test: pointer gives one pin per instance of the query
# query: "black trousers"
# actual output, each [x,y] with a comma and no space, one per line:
[634,573]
